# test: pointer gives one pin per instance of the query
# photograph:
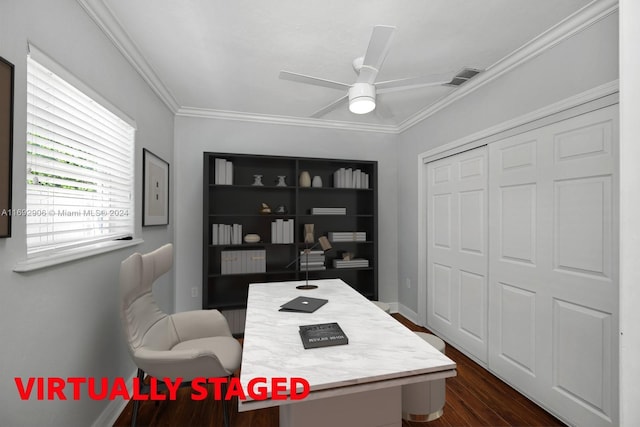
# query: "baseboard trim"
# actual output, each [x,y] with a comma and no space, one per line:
[393,307]
[110,415]
[408,313]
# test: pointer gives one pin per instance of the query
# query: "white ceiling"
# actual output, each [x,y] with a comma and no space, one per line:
[224,57]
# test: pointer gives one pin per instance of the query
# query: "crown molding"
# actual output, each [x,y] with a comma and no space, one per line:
[107,22]
[468,142]
[284,120]
[580,20]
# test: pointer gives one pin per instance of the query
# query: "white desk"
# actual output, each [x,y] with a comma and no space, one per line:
[358,384]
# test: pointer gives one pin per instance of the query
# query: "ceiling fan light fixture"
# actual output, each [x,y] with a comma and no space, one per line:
[362,98]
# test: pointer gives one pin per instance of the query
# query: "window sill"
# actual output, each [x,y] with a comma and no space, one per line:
[64,256]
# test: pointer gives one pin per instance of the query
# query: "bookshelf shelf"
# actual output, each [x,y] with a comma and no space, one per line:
[252,187]
[230,198]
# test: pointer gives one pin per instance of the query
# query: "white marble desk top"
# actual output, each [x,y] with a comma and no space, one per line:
[380,348]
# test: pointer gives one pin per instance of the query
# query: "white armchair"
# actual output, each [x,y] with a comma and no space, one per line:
[184,345]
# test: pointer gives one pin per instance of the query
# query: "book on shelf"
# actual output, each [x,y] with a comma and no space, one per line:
[279,231]
[286,233]
[243,262]
[311,252]
[236,237]
[347,236]
[223,172]
[282,231]
[228,178]
[313,268]
[322,335]
[312,261]
[226,234]
[350,178]
[338,177]
[329,211]
[352,263]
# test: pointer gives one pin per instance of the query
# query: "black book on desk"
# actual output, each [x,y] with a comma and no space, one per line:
[322,335]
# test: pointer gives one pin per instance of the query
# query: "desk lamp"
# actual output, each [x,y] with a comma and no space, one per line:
[325,245]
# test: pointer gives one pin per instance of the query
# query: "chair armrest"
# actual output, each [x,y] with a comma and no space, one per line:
[190,325]
[185,364]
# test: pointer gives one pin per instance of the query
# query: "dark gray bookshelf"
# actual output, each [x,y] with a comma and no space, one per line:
[239,203]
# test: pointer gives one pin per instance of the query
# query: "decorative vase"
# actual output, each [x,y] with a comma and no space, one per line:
[305,179]
[317,181]
[257,180]
[252,238]
[281,181]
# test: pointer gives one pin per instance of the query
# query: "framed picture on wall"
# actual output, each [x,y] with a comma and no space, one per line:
[6,144]
[155,190]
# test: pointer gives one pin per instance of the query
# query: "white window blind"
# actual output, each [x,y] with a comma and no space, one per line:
[80,166]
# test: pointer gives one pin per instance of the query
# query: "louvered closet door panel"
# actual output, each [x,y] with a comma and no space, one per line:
[553,278]
[457,250]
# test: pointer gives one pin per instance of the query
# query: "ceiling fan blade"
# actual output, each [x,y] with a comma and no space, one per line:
[334,105]
[377,50]
[411,83]
[316,81]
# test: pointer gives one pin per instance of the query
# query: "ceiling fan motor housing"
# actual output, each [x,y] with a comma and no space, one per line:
[362,98]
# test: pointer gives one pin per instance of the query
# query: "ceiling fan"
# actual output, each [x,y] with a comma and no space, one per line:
[361,95]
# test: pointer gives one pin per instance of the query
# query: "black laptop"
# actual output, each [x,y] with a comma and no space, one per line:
[303,304]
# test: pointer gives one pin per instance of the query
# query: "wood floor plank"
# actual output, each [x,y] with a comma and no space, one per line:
[484,413]
[512,406]
[475,398]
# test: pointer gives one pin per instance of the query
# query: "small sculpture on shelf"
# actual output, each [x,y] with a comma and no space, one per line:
[265,209]
[281,210]
[281,181]
[308,233]
[257,180]
[316,182]
[347,256]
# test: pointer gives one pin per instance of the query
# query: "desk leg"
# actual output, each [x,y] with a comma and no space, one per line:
[375,408]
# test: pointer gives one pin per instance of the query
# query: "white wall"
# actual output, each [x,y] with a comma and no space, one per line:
[63,321]
[583,61]
[193,136]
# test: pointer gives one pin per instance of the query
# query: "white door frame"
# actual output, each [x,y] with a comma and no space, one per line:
[598,97]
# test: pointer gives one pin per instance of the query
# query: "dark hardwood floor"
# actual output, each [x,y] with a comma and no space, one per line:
[477,398]
[474,398]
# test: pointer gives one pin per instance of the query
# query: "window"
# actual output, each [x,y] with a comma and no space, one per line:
[80,166]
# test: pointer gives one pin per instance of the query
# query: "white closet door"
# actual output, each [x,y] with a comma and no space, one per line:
[457,250]
[553,266]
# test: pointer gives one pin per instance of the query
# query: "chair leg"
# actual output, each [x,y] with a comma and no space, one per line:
[136,403]
[223,402]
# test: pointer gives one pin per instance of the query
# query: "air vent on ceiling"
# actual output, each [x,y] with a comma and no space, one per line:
[463,75]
